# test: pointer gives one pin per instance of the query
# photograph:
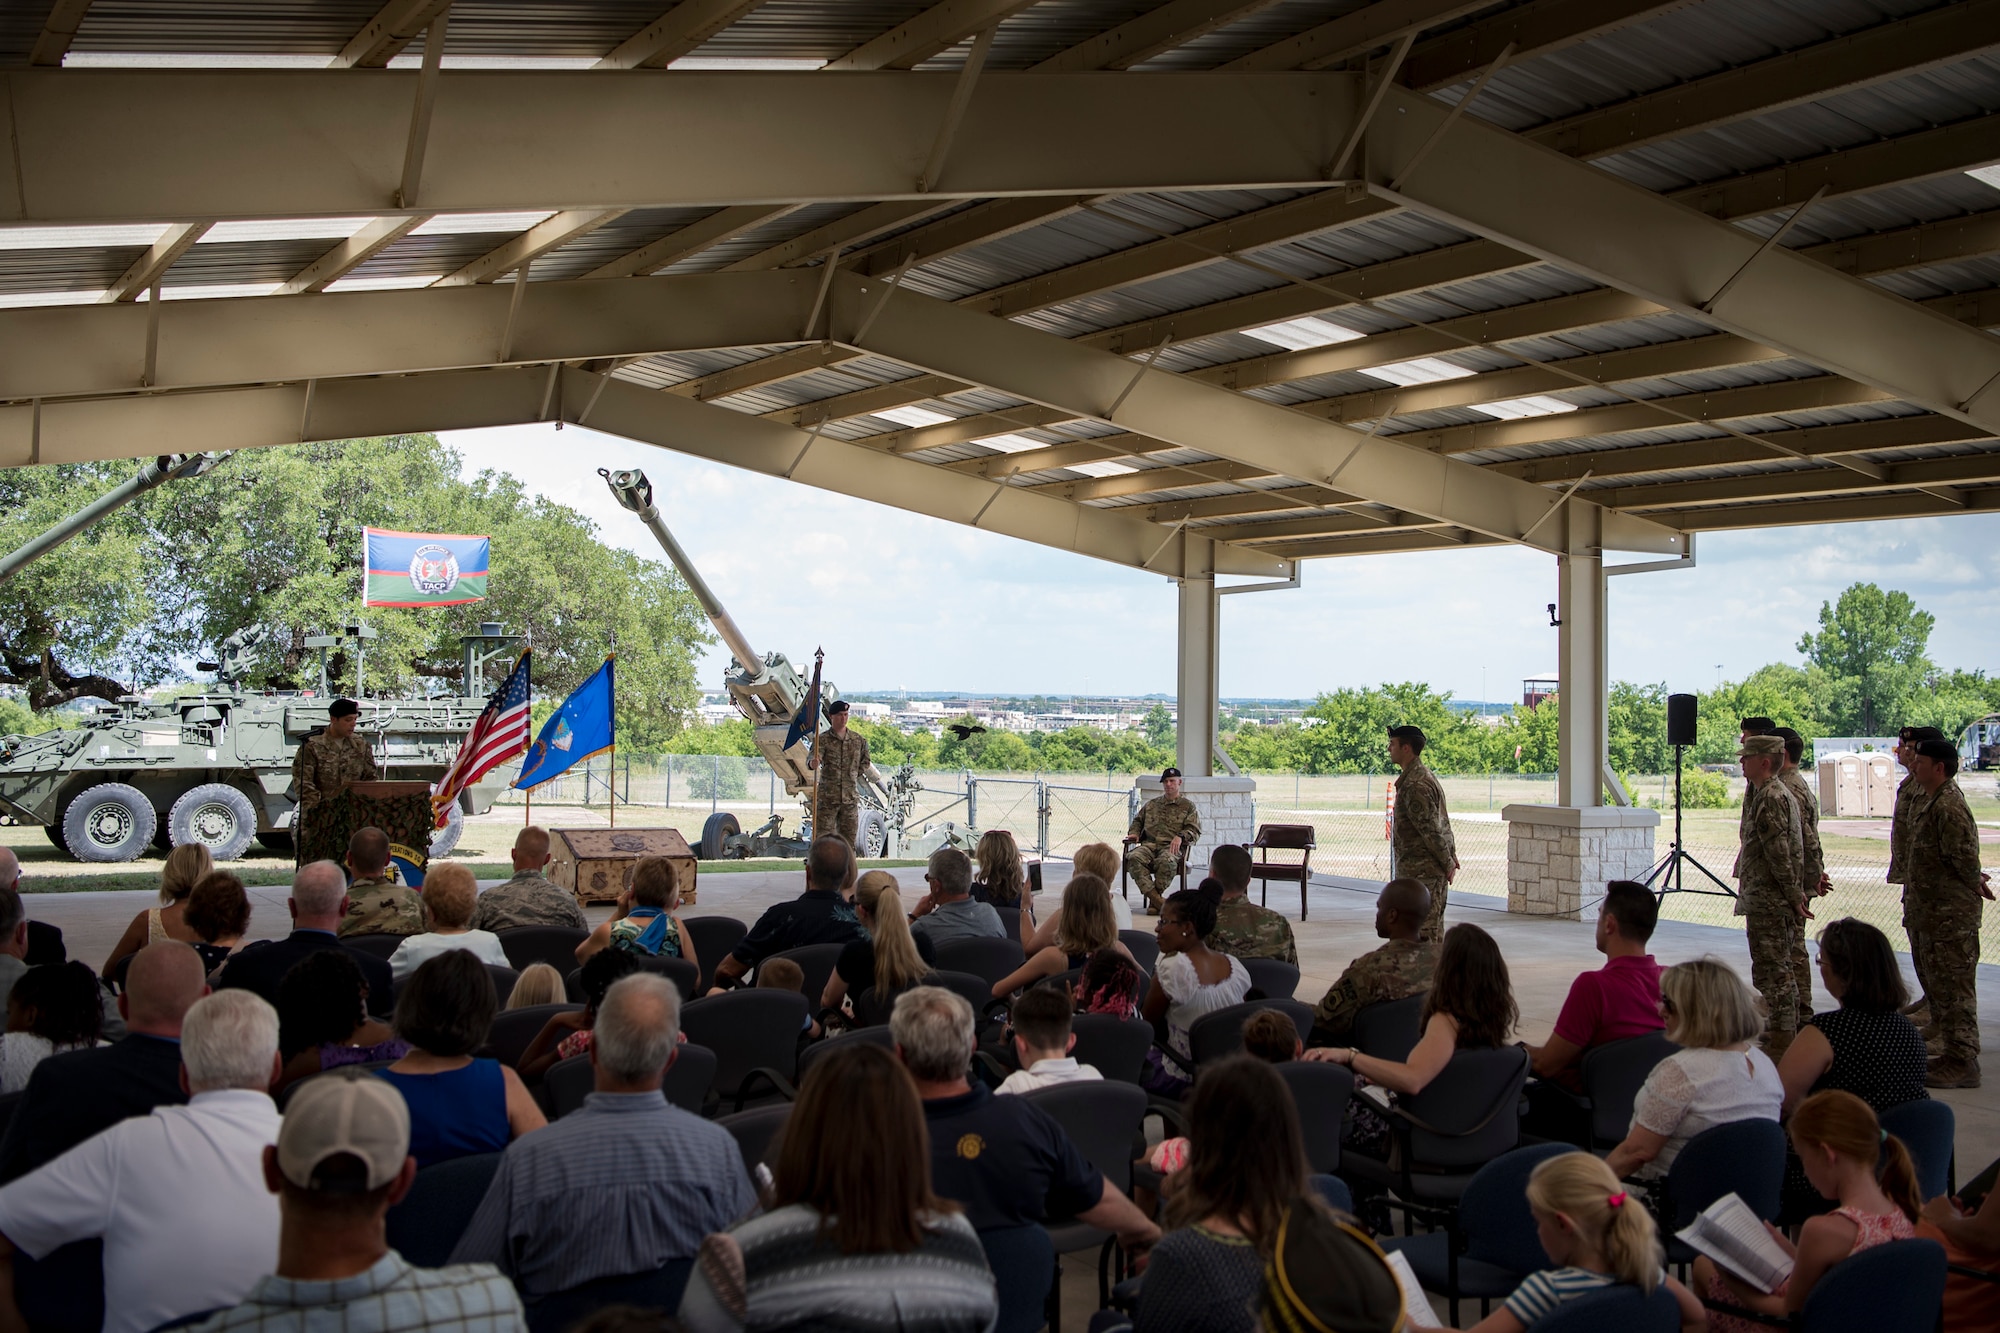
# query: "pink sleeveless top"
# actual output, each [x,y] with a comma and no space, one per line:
[1872,1229]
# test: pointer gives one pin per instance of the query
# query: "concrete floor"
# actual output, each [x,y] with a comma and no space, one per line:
[1543,955]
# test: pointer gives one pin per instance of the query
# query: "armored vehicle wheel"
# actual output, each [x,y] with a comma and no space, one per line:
[54,832]
[446,838]
[217,816]
[872,838]
[721,827]
[109,822]
[278,840]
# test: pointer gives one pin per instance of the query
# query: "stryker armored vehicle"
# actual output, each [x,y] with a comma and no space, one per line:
[768,691]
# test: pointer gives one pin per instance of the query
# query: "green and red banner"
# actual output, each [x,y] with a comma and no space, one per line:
[423,568]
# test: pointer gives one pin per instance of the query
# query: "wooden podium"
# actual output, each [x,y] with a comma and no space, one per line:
[596,863]
[400,809]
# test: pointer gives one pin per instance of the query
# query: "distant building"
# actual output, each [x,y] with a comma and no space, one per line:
[1537,688]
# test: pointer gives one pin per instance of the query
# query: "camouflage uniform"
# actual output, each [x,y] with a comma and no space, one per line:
[1421,841]
[1815,865]
[1941,860]
[1148,861]
[1245,930]
[1772,869]
[842,761]
[528,899]
[1397,970]
[1908,792]
[321,771]
[380,907]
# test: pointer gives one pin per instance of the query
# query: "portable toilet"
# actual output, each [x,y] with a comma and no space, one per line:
[1842,790]
[1880,777]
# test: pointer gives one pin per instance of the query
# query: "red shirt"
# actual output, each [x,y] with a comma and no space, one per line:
[1620,999]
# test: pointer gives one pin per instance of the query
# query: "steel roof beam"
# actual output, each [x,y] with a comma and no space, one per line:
[151,266]
[1173,24]
[1853,437]
[58,31]
[723,224]
[1388,543]
[1788,513]
[1538,29]
[1356,33]
[1801,483]
[373,238]
[678,32]
[938,28]
[861,226]
[549,234]
[382,38]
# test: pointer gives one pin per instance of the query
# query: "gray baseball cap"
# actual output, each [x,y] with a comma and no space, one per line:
[358,1115]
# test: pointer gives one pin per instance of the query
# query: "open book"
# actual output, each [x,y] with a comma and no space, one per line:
[1730,1234]
[1416,1305]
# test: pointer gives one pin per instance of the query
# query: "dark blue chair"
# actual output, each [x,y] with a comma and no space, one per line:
[1217,1035]
[426,1225]
[1106,1122]
[1333,1192]
[1321,1093]
[1926,1127]
[755,1131]
[1115,1047]
[63,1291]
[1023,1260]
[991,960]
[1274,979]
[1144,947]
[1744,1157]
[658,1290]
[1389,1030]
[1619,1307]
[513,1030]
[755,1036]
[1892,1288]
[1490,1244]
[714,938]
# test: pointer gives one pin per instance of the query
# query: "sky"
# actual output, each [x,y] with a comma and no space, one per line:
[904,601]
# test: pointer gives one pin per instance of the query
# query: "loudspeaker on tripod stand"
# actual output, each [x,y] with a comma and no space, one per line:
[1680,719]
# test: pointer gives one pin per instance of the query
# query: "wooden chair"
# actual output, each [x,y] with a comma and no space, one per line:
[1283,838]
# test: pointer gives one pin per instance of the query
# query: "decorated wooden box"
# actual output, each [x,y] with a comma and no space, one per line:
[596,863]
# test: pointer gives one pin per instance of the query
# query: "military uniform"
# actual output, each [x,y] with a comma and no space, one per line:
[322,770]
[1772,870]
[1245,930]
[378,907]
[1941,861]
[1907,793]
[1396,971]
[528,899]
[1421,842]
[1149,861]
[1815,866]
[842,761]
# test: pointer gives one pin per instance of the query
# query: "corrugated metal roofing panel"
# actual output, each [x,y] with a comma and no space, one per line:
[635,230]
[813,29]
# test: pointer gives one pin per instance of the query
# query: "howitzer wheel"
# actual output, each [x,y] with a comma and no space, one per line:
[872,838]
[715,834]
[109,822]
[217,816]
[446,838]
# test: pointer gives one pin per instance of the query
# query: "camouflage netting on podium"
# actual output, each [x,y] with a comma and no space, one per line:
[406,819]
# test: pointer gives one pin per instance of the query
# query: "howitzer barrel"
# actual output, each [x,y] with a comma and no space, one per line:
[635,493]
[163,469]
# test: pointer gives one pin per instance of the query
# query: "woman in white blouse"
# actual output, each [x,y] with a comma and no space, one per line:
[1716,1078]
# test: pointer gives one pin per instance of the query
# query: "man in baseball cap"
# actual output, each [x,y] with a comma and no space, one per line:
[341,1160]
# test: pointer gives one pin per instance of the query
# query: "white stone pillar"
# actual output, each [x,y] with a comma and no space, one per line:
[1196,680]
[1559,857]
[1583,741]
[1228,809]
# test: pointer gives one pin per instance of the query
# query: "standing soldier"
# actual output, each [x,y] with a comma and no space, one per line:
[1162,833]
[1817,884]
[1899,837]
[1941,861]
[1773,898]
[1421,845]
[326,764]
[1748,727]
[841,756]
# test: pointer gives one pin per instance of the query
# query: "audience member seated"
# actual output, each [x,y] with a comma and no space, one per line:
[1242,928]
[1110,984]
[1866,1046]
[323,1020]
[1717,1077]
[459,1104]
[1850,1160]
[186,865]
[1470,1007]
[71,1097]
[1190,980]
[450,896]
[786,974]
[538,984]
[177,1196]
[1084,927]
[1395,971]
[341,1161]
[528,899]
[1597,1236]
[1326,1273]
[218,911]
[628,1183]
[1969,1230]
[1093,858]
[890,960]
[13,924]
[317,904]
[52,1009]
[1619,1000]
[851,1224]
[1043,1042]
[1004,1158]
[823,914]
[1272,1037]
[1003,877]
[645,922]
[568,1034]
[949,911]
[376,904]
[1245,1167]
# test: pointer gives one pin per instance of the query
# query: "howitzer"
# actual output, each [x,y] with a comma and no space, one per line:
[768,690]
[165,468]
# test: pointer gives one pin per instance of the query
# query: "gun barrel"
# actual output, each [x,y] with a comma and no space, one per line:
[635,493]
[163,469]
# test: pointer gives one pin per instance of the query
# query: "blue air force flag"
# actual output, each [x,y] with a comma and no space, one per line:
[574,732]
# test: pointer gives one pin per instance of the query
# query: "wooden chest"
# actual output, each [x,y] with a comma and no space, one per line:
[596,863]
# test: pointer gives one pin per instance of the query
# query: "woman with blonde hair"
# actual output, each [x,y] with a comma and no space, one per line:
[1003,876]
[1093,858]
[890,961]
[1716,1078]
[538,983]
[1084,927]
[187,865]
[1597,1234]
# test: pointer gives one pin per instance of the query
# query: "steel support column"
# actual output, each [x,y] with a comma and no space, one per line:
[1582,726]
[1196,679]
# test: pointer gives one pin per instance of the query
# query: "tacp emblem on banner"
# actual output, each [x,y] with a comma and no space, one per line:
[433,570]
[423,568]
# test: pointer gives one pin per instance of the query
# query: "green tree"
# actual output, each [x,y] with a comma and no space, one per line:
[1870,644]
[1953,699]
[1527,739]
[1790,696]
[1159,726]
[1351,731]
[1638,728]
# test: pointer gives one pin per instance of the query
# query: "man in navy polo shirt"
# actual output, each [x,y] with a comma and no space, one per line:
[823,914]
[1004,1158]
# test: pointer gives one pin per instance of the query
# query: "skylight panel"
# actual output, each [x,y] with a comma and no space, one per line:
[67,238]
[1537,405]
[1013,444]
[1300,335]
[283,229]
[1423,370]
[191,60]
[452,224]
[1986,176]
[384,284]
[748,62]
[913,416]
[214,291]
[22,300]
[1103,469]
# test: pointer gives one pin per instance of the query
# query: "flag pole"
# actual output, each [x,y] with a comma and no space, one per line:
[819,660]
[611,783]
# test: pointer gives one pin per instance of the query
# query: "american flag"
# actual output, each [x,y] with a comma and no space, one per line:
[500,733]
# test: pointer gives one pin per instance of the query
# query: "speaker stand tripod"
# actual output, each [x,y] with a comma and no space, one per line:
[1666,877]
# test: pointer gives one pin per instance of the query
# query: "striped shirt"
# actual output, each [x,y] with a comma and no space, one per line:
[392,1297]
[625,1185]
[1542,1292]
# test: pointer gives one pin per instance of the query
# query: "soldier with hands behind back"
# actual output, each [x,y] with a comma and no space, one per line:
[1945,890]
[840,756]
[1772,900]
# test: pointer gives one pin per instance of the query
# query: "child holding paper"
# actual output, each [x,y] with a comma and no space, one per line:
[1848,1158]
[1597,1235]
